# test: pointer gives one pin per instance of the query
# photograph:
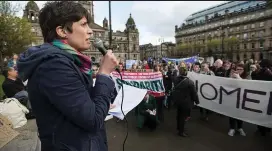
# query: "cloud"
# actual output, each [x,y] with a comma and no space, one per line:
[158,19]
[154,19]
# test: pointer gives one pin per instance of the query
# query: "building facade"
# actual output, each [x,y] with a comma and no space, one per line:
[236,30]
[125,44]
[165,49]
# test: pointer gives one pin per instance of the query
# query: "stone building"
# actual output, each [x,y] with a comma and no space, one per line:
[31,13]
[235,30]
[165,49]
[125,44]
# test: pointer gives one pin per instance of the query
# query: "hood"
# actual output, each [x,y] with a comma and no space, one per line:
[34,56]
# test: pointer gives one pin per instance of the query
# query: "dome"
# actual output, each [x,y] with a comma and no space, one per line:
[32,5]
[130,21]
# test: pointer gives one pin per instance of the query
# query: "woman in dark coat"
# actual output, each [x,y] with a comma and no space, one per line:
[69,110]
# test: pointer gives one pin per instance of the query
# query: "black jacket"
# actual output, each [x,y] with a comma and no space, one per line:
[185,94]
[69,111]
[11,87]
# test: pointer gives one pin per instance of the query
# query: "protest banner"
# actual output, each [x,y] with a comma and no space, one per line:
[152,81]
[192,59]
[247,100]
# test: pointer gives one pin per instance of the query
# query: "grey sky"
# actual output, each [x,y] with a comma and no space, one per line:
[153,19]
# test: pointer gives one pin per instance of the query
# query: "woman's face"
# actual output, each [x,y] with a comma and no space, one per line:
[157,68]
[240,70]
[81,35]
[134,66]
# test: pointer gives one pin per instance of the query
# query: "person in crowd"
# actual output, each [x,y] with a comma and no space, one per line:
[13,61]
[189,67]
[146,113]
[239,73]
[205,70]
[252,69]
[95,70]
[184,95]
[196,67]
[145,65]
[69,111]
[121,67]
[13,86]
[217,67]
[139,67]
[159,99]
[134,66]
[264,74]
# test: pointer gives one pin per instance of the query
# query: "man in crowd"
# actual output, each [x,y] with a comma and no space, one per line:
[196,67]
[205,70]
[184,95]
[13,61]
[264,74]
[13,86]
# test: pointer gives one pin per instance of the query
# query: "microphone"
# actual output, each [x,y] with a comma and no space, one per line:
[98,43]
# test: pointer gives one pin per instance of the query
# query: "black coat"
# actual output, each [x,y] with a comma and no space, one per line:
[69,111]
[185,94]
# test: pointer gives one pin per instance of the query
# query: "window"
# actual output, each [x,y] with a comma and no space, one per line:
[238,28]
[245,27]
[245,46]
[261,44]
[231,21]
[252,35]
[238,46]
[253,16]
[252,25]
[230,29]
[252,45]
[245,18]
[135,56]
[261,33]
[238,19]
[261,24]
[262,14]
[237,36]
[245,35]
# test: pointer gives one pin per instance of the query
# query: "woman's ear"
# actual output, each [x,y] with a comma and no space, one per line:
[61,32]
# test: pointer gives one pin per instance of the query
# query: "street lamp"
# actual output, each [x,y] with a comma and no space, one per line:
[162,41]
[110,33]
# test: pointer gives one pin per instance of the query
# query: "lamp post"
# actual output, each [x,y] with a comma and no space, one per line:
[162,42]
[110,33]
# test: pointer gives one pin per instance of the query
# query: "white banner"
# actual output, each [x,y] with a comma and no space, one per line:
[247,100]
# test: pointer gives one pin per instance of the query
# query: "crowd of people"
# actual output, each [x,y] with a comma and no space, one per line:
[181,92]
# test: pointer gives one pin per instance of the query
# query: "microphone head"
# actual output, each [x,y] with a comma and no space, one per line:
[98,43]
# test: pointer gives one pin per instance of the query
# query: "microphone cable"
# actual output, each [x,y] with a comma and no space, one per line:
[126,121]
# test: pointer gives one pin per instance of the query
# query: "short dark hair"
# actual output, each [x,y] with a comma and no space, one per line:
[60,13]
[6,70]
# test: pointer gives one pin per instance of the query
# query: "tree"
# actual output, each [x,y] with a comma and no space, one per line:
[230,43]
[15,32]
[214,43]
[182,47]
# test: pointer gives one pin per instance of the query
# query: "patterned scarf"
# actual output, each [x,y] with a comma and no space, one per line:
[82,61]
